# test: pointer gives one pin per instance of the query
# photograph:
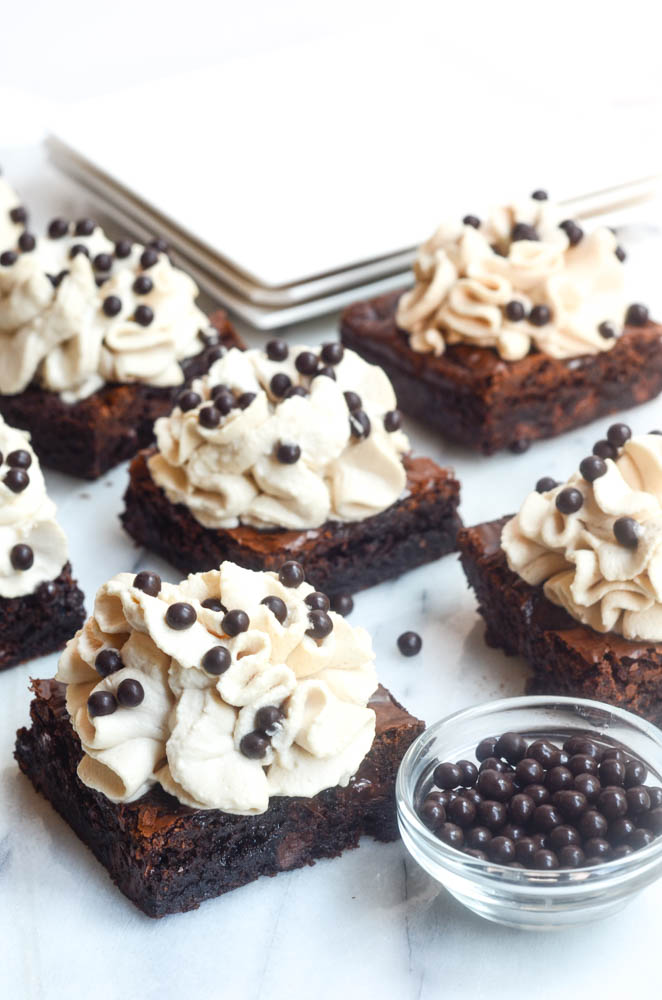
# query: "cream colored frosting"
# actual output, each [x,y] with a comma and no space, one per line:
[9,230]
[60,335]
[463,285]
[583,567]
[229,474]
[27,518]
[187,731]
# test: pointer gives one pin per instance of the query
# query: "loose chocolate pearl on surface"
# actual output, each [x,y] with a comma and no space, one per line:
[268,719]
[635,773]
[332,354]
[180,616]
[486,748]
[342,604]
[254,745]
[280,383]
[637,315]
[393,421]
[130,692]
[447,775]
[588,785]
[143,315]
[512,747]
[546,817]
[317,601]
[572,231]
[468,773]
[523,231]
[451,834]
[592,824]
[101,703]
[627,532]
[108,661]
[359,424]
[410,643]
[612,802]
[540,195]
[245,400]
[540,315]
[569,500]
[570,803]
[27,242]
[102,262]
[353,400]
[501,849]
[462,811]
[8,258]
[291,574]
[21,556]
[85,227]
[123,249]
[17,480]
[432,813]
[19,459]
[148,258]
[277,607]
[471,220]
[608,330]
[545,860]
[320,625]
[604,449]
[277,350]
[611,772]
[58,228]
[494,785]
[618,434]
[571,856]
[592,468]
[217,660]
[143,284]
[519,446]
[306,363]
[77,249]
[112,305]
[515,311]
[288,454]
[188,400]
[234,622]
[214,604]
[209,417]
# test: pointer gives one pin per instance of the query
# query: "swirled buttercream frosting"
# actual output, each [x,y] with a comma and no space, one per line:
[595,542]
[225,689]
[522,279]
[287,443]
[78,311]
[33,546]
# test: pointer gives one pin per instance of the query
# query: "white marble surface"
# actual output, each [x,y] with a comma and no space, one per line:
[370,923]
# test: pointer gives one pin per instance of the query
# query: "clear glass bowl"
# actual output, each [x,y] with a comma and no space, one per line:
[532,900]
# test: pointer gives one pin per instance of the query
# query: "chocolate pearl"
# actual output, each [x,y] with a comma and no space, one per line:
[563,836]
[592,468]
[217,660]
[359,424]
[123,249]
[654,820]
[288,454]
[320,625]
[559,758]
[209,417]
[317,601]
[327,371]
[569,500]
[215,353]
[477,837]
[112,305]
[19,459]
[149,583]
[21,556]
[27,242]
[213,604]
[306,363]
[234,622]
[492,814]
[223,401]
[180,616]
[295,390]
[608,330]
[546,484]
[245,400]
[472,853]
[538,793]
[611,772]
[342,604]
[268,719]
[521,808]
[525,848]
[523,231]
[588,785]
[546,817]
[58,228]
[545,860]
[277,607]
[637,315]
[635,773]
[148,258]
[540,195]
[101,703]
[501,849]
[410,643]
[604,449]
[512,831]
[592,825]
[392,421]
[8,258]
[471,220]
[143,315]
[17,480]
[655,795]
[486,748]
[612,802]
[639,800]
[627,532]
[85,227]
[515,311]
[188,400]
[618,434]
[47,591]
[462,811]
[572,231]
[641,837]
[332,354]
[541,750]
[77,249]
[493,764]
[558,778]
[353,401]
[19,214]
[254,745]
[540,315]
[597,847]
[102,262]
[620,254]
[570,803]
[581,763]
[520,446]
[143,285]
[130,693]
[159,244]
[494,785]
[571,856]
[280,383]
[468,772]
[621,830]
[447,775]
[451,834]
[512,747]
[473,795]
[432,813]
[107,661]
[541,840]
[277,350]
[291,574]
[444,798]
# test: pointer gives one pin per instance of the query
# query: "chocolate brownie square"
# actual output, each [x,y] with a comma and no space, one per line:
[168,858]
[339,556]
[566,657]
[40,623]
[90,436]
[473,397]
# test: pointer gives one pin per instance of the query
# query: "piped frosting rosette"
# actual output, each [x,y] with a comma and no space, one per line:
[259,442]
[227,688]
[521,279]
[595,542]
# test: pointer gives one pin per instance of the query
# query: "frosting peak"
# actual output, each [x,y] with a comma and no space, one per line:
[277,712]
[517,281]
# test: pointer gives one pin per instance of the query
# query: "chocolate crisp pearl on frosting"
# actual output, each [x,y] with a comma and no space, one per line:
[291,574]
[17,480]
[342,604]
[19,459]
[130,693]
[280,383]
[180,615]
[235,621]
[214,604]
[277,607]
[277,350]
[112,305]
[332,354]
[123,249]
[268,719]
[592,468]
[149,583]
[143,285]
[58,228]
[320,625]
[217,660]
[627,532]
[318,601]
[108,661]
[515,311]
[209,417]
[410,643]
[21,556]
[143,315]
[85,227]
[288,454]
[188,400]
[254,745]
[569,500]
[306,363]
[101,703]
[148,258]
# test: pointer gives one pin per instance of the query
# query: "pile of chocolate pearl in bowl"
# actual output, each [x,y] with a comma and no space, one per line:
[536,812]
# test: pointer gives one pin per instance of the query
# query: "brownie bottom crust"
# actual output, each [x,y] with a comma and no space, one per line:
[40,623]
[566,658]
[339,556]
[168,858]
[470,395]
[88,437]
